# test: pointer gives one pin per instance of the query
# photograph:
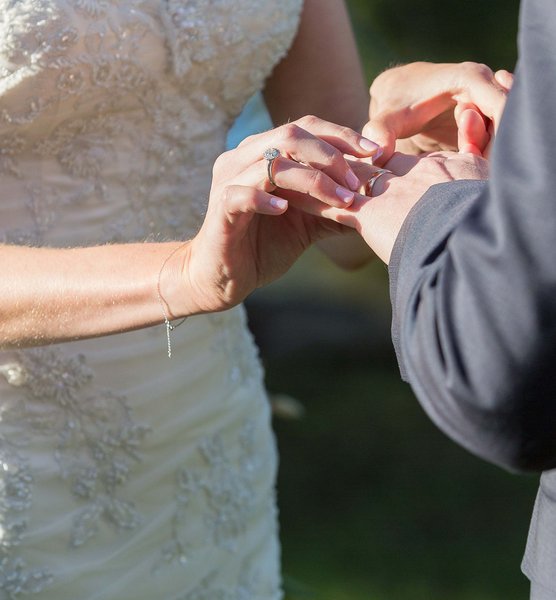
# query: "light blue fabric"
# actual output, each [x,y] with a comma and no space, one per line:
[253,119]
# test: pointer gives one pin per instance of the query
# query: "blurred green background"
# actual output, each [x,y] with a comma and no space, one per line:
[375,503]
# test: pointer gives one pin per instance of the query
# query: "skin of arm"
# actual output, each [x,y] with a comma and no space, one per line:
[65,294]
[52,295]
[322,76]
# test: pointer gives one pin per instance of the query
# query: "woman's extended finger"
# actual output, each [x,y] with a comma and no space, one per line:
[313,142]
[296,177]
[384,132]
[345,139]
[300,145]
[341,216]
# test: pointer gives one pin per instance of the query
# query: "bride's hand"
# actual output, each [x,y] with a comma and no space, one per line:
[254,231]
[431,107]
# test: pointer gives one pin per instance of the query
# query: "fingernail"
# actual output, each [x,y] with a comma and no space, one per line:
[352,180]
[345,195]
[379,153]
[368,145]
[279,203]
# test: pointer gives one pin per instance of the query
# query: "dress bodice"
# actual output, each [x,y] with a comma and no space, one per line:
[124,475]
[112,113]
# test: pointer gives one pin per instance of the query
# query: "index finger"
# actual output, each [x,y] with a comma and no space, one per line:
[345,139]
[310,141]
[379,130]
[486,93]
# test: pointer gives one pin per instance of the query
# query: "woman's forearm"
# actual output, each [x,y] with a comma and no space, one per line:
[248,238]
[52,295]
[322,74]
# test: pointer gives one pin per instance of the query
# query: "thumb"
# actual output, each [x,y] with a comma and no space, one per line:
[379,132]
[472,130]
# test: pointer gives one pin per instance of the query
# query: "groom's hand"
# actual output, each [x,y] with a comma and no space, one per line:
[426,107]
[379,218]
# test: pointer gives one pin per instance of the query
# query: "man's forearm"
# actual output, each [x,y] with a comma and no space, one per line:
[474,310]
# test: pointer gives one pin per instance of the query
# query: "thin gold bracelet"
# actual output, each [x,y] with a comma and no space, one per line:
[169,326]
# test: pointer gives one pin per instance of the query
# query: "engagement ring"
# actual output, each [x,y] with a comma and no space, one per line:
[271,154]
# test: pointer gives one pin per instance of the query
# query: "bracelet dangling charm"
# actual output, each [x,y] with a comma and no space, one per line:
[169,326]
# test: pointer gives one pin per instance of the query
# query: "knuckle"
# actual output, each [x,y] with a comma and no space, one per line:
[308,120]
[227,195]
[478,69]
[315,182]
[220,163]
[347,133]
[376,90]
[290,131]
[379,81]
[333,156]
[467,64]
[248,140]
[485,71]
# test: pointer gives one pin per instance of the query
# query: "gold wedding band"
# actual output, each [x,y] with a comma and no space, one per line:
[271,154]
[373,179]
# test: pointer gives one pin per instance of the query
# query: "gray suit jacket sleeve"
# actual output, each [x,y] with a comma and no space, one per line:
[473,279]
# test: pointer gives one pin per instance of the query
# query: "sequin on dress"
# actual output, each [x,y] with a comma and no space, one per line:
[124,475]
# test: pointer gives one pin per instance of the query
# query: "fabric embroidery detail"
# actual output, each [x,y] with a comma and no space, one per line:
[165,140]
[112,115]
[247,588]
[16,482]
[224,487]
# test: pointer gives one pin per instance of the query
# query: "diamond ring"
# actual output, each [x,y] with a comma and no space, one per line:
[271,154]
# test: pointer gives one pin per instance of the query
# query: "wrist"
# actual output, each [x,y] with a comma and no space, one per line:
[175,293]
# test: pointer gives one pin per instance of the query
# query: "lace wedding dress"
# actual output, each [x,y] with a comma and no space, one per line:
[125,475]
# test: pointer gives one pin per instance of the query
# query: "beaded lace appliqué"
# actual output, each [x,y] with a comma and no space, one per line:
[224,487]
[16,481]
[117,108]
[97,444]
[105,101]
[247,588]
